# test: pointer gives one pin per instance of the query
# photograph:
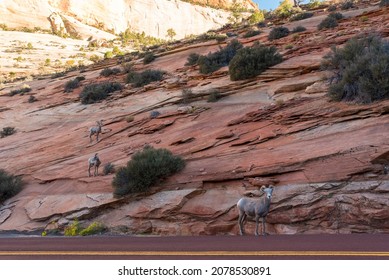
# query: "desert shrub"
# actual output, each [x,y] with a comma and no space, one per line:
[32,99]
[336,16]
[187,95]
[216,60]
[145,169]
[58,75]
[301,16]
[251,61]
[109,71]
[384,3]
[214,96]
[278,32]
[109,168]
[7,131]
[298,29]
[96,92]
[284,10]
[73,229]
[256,17]
[192,59]
[145,77]
[347,5]
[360,70]
[73,84]
[108,54]
[221,38]
[10,185]
[20,91]
[331,8]
[328,22]
[93,228]
[251,33]
[128,67]
[148,58]
[312,4]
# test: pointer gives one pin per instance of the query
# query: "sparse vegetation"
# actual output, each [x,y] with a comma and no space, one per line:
[148,58]
[216,60]
[214,96]
[20,91]
[251,61]
[145,169]
[336,16]
[278,32]
[298,29]
[93,228]
[10,185]
[331,8]
[251,33]
[187,95]
[109,72]
[109,168]
[171,33]
[384,3]
[97,92]
[73,84]
[256,17]
[7,131]
[360,70]
[301,16]
[145,77]
[192,59]
[32,99]
[347,5]
[328,22]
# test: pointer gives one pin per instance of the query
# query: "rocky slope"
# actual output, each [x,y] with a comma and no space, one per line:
[326,159]
[82,18]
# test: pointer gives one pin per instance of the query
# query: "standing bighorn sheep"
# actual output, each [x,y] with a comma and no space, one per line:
[95,130]
[257,208]
[94,161]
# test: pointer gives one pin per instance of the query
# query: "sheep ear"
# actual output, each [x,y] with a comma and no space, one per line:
[262,188]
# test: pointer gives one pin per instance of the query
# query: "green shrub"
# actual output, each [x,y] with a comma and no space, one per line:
[74,83]
[32,99]
[145,77]
[284,10]
[145,169]
[336,16]
[252,61]
[187,95]
[384,3]
[192,59]
[256,17]
[216,60]
[73,229]
[7,131]
[301,16]
[109,168]
[278,32]
[214,96]
[19,91]
[328,22]
[331,8]
[347,5]
[148,58]
[10,185]
[109,72]
[96,92]
[360,70]
[298,29]
[93,228]
[108,54]
[251,33]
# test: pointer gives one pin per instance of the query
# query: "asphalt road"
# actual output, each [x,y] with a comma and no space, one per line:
[334,246]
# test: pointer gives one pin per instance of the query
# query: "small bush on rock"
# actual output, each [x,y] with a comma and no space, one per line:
[301,16]
[360,70]
[192,59]
[145,77]
[10,185]
[252,61]
[7,131]
[97,92]
[216,60]
[145,169]
[109,72]
[278,32]
[73,84]
[328,22]
[149,57]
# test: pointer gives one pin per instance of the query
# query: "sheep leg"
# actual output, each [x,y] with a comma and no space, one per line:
[240,222]
[256,225]
[97,137]
[89,170]
[263,226]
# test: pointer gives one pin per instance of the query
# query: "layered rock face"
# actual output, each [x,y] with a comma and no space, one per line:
[149,16]
[329,161]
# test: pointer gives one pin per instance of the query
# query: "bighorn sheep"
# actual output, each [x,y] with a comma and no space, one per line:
[94,161]
[257,208]
[95,130]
